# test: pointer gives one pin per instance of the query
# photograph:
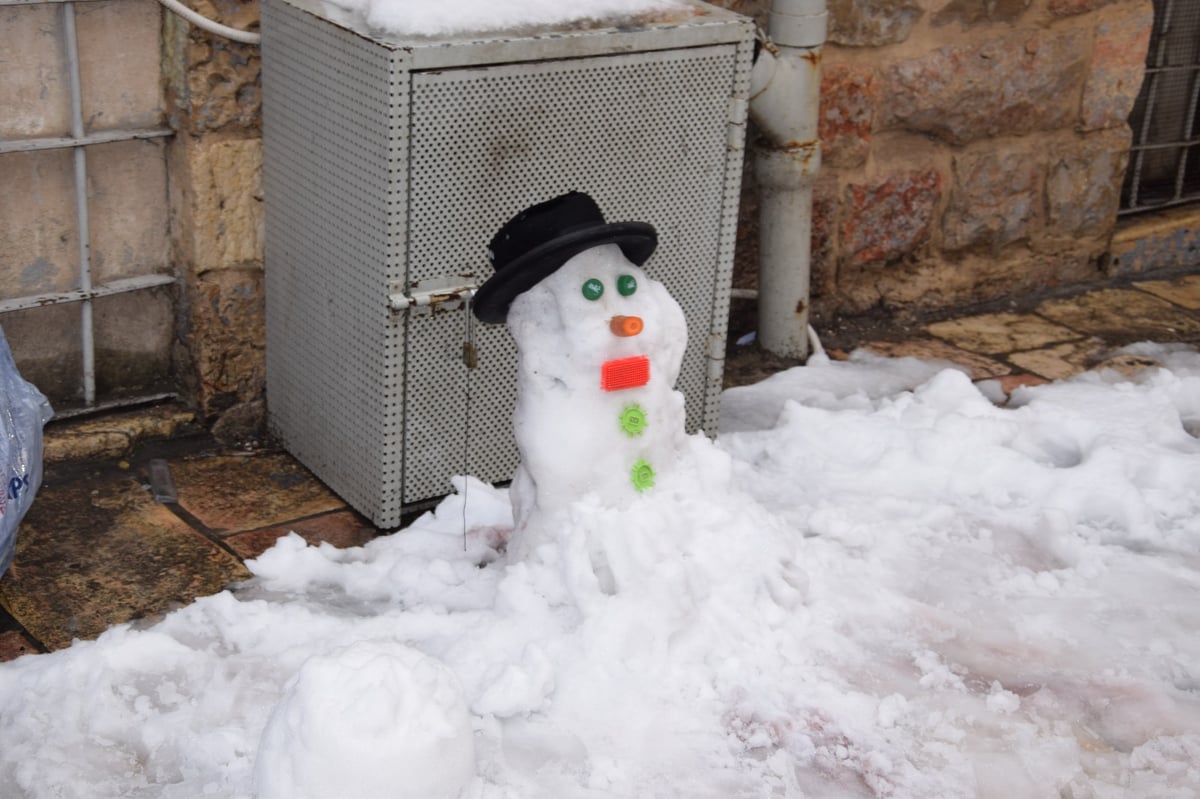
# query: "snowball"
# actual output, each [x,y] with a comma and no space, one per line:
[374,720]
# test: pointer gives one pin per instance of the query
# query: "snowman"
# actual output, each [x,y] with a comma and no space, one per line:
[600,345]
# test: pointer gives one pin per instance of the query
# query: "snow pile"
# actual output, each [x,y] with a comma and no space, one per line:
[374,721]
[422,18]
[877,583]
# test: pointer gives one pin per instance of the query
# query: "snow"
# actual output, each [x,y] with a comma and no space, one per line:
[420,18]
[875,583]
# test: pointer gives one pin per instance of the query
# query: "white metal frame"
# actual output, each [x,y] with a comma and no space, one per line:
[79,140]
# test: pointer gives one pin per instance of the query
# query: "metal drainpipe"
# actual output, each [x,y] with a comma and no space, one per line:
[785,98]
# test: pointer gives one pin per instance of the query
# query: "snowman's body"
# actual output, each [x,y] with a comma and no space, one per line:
[600,346]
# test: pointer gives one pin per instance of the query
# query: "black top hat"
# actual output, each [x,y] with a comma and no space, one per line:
[540,239]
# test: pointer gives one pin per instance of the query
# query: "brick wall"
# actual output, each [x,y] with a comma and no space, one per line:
[972,150]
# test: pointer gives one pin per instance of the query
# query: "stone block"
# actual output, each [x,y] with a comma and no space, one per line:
[1083,184]
[219,201]
[34,93]
[39,245]
[969,13]
[1009,84]
[886,220]
[122,84]
[1118,66]
[113,435]
[994,200]
[849,94]
[227,338]
[998,333]
[222,79]
[1165,240]
[1070,8]
[127,206]
[870,23]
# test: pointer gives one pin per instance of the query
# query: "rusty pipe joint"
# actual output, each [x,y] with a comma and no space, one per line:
[785,85]
[784,104]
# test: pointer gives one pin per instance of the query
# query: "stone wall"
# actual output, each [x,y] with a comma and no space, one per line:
[972,149]
[215,163]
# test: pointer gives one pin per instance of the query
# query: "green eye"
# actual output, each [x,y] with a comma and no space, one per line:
[593,289]
[626,284]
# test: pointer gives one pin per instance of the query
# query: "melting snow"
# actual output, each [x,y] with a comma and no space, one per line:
[876,583]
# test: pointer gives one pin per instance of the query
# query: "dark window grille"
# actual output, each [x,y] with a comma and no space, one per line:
[1164,162]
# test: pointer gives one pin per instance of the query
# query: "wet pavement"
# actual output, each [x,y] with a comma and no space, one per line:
[110,539]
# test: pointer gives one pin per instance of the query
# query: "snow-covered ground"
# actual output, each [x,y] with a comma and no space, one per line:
[875,583]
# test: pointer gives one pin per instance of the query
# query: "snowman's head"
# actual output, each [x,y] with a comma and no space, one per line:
[597,308]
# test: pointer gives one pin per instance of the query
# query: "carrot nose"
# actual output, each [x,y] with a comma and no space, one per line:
[625,325]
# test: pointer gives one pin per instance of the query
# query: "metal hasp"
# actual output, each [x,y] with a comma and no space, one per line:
[784,104]
[391,162]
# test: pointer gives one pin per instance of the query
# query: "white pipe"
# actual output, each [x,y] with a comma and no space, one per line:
[204,23]
[785,100]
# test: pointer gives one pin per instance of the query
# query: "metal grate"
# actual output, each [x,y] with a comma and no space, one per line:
[388,167]
[1164,166]
[44,311]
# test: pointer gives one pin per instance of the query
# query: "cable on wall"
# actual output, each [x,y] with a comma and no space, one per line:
[204,23]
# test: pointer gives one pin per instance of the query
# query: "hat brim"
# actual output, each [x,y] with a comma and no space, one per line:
[491,303]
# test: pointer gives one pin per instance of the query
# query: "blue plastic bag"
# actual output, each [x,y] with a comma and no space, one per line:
[23,411]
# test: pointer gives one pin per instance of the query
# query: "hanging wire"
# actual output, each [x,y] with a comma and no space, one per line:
[470,360]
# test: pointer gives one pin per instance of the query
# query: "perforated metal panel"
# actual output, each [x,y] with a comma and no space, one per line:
[389,165]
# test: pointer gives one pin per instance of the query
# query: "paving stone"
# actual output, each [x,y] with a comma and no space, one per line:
[994,334]
[233,493]
[95,553]
[933,350]
[1061,360]
[342,529]
[1183,291]
[1122,316]
[113,435]
[14,644]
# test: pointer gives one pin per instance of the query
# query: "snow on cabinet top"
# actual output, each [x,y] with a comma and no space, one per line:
[409,20]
